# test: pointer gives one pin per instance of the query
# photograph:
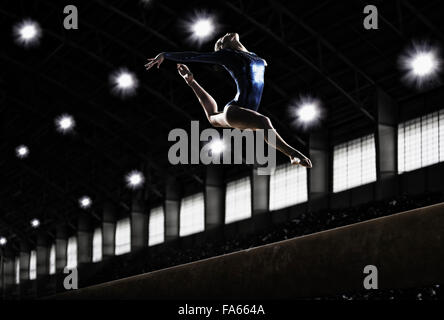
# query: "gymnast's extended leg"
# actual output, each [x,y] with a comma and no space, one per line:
[242,118]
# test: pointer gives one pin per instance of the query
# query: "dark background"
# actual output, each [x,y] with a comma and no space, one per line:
[316,47]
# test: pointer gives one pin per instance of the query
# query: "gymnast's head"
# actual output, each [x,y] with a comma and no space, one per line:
[229,41]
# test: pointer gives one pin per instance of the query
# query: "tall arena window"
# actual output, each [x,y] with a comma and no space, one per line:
[33,265]
[288,186]
[52,259]
[156,225]
[192,214]
[72,253]
[97,245]
[354,163]
[123,236]
[17,270]
[421,142]
[238,200]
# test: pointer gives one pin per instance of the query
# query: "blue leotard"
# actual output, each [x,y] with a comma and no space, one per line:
[246,69]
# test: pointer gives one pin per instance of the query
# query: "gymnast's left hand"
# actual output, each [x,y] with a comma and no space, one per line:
[153,61]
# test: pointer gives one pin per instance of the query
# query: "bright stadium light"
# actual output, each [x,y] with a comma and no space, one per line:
[27,33]
[124,82]
[134,179]
[22,151]
[421,64]
[217,146]
[35,223]
[306,111]
[85,202]
[65,123]
[3,241]
[201,27]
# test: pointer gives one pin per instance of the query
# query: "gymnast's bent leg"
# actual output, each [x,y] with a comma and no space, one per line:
[217,119]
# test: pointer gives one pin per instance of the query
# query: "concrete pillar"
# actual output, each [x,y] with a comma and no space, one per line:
[260,192]
[139,222]
[43,243]
[108,229]
[319,175]
[24,261]
[43,253]
[8,271]
[61,249]
[386,151]
[2,273]
[172,209]
[260,199]
[84,239]
[214,196]
[61,246]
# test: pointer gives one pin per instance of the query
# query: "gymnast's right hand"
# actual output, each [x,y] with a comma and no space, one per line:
[153,61]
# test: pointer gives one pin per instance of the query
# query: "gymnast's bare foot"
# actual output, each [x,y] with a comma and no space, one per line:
[185,73]
[304,162]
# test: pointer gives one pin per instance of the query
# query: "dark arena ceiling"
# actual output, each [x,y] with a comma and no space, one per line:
[318,48]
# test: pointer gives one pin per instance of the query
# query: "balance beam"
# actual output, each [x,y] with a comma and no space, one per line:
[407,249]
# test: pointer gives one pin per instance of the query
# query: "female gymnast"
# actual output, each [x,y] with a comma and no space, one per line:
[247,70]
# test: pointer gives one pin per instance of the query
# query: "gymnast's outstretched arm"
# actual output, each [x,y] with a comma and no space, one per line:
[220,57]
